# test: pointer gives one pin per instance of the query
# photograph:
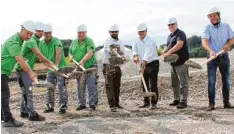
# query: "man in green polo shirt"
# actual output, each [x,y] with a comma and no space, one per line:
[82,50]
[10,55]
[52,49]
[30,51]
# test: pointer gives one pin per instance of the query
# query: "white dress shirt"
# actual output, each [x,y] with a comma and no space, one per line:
[145,49]
[107,44]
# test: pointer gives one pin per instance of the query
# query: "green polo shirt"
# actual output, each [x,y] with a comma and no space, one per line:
[49,50]
[10,49]
[79,50]
[28,53]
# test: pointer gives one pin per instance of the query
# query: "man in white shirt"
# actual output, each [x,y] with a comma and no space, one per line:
[145,54]
[112,72]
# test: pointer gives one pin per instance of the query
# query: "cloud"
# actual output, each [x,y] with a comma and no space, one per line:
[65,16]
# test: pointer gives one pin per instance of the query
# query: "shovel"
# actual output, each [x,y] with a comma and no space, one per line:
[147,93]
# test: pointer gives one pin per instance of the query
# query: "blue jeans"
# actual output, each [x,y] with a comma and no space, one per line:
[88,80]
[223,63]
[50,99]
[27,105]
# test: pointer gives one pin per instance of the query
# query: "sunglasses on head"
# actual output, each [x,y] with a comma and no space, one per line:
[171,24]
[114,31]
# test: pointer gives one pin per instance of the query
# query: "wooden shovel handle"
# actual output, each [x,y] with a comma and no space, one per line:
[79,65]
[213,57]
[64,75]
[143,80]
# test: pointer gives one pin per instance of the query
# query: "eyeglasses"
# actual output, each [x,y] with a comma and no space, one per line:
[114,31]
[171,24]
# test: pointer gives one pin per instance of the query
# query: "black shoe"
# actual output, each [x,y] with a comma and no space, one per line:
[92,108]
[36,117]
[63,109]
[23,115]
[227,105]
[210,107]
[12,123]
[49,110]
[119,107]
[182,105]
[80,108]
[175,103]
[152,107]
[113,109]
[145,105]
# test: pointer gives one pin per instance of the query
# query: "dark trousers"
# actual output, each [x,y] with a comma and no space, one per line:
[223,63]
[112,83]
[5,98]
[151,80]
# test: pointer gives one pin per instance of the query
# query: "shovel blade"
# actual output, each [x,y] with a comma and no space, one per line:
[149,94]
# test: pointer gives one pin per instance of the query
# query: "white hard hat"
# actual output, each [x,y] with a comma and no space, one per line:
[213,10]
[172,20]
[142,27]
[29,25]
[81,28]
[114,28]
[47,28]
[39,26]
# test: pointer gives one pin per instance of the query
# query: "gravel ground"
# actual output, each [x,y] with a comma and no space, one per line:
[132,120]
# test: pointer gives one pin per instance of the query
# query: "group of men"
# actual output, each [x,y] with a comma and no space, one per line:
[215,37]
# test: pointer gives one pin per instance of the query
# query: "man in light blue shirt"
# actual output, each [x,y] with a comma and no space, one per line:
[145,54]
[218,36]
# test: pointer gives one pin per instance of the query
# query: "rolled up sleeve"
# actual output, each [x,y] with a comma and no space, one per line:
[91,46]
[134,49]
[230,32]
[14,49]
[205,33]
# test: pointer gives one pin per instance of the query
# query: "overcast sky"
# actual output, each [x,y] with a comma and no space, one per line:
[98,15]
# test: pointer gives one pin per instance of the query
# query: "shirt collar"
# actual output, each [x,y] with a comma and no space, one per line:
[145,39]
[35,38]
[110,38]
[220,24]
[51,41]
[175,32]
[82,41]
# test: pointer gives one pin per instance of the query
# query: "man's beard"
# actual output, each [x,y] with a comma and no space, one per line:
[217,23]
[114,37]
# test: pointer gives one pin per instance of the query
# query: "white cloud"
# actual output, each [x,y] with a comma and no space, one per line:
[65,16]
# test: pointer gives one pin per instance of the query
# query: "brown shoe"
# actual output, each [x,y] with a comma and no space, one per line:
[227,105]
[211,107]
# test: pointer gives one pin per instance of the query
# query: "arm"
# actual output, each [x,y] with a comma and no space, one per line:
[20,59]
[230,42]
[59,50]
[121,50]
[58,56]
[135,53]
[24,65]
[181,38]
[88,55]
[90,51]
[177,47]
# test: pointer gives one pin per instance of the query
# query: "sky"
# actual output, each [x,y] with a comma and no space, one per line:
[98,15]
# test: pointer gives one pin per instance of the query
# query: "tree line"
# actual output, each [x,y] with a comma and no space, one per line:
[194,44]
